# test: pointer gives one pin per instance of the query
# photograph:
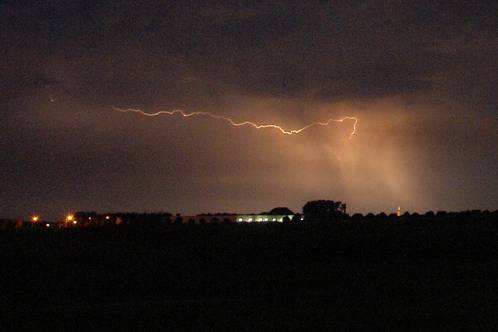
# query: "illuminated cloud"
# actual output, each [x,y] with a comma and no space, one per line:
[419,76]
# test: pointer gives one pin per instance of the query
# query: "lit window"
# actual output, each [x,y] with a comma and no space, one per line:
[240,219]
[274,219]
[250,219]
[266,219]
[260,219]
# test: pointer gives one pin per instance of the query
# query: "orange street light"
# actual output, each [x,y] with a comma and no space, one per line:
[35,218]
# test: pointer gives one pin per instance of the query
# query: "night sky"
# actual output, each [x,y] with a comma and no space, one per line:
[420,76]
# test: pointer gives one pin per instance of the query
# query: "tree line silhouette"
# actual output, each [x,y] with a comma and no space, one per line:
[142,270]
[317,211]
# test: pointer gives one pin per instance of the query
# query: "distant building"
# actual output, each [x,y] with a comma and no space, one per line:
[275,215]
[263,217]
[278,214]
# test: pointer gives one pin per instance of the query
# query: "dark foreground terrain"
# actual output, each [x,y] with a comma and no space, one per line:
[371,275]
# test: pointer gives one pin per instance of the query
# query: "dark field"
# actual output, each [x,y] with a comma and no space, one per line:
[370,275]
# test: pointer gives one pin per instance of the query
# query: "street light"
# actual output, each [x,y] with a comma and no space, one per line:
[35,218]
[69,218]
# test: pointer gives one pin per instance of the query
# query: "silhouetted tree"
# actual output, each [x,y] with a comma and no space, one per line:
[322,210]
[178,219]
[429,214]
[441,214]
[357,216]
[286,219]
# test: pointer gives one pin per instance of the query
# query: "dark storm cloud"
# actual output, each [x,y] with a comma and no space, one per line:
[14,84]
[330,52]
[65,64]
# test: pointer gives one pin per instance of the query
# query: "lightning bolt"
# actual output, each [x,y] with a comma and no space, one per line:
[246,123]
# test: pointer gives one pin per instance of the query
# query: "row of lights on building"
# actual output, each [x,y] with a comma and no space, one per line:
[260,219]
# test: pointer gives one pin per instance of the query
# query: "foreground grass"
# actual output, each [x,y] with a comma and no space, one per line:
[368,275]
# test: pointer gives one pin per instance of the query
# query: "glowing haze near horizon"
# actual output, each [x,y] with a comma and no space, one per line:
[420,78]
